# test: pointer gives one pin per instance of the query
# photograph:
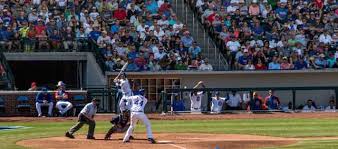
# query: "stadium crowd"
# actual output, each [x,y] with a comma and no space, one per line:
[273,34]
[145,33]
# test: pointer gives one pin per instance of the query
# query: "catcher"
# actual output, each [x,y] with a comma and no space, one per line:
[120,123]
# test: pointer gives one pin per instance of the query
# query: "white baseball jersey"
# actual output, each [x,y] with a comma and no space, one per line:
[217,104]
[138,103]
[125,86]
[196,100]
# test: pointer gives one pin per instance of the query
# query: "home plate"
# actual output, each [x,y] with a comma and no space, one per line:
[164,142]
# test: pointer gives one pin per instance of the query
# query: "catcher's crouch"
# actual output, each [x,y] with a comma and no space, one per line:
[120,123]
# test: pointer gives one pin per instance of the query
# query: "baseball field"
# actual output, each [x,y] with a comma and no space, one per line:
[235,131]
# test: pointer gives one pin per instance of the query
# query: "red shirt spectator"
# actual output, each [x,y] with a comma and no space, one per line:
[120,14]
[140,61]
[164,7]
[40,27]
[319,4]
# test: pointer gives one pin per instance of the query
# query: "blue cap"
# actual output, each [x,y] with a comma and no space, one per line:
[141,91]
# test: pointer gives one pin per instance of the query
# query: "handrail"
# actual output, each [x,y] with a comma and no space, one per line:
[175,90]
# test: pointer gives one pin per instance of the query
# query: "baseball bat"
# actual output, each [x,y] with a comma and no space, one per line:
[122,69]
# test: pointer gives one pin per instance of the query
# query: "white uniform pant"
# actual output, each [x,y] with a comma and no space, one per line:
[136,116]
[64,106]
[38,107]
[124,105]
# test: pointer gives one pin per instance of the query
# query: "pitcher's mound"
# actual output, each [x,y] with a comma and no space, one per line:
[164,141]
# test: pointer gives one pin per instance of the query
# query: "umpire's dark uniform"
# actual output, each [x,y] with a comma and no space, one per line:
[120,124]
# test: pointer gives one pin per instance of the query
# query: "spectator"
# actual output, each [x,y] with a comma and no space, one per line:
[205,66]
[260,65]
[285,65]
[68,39]
[331,107]
[244,60]
[69,25]
[321,62]
[33,87]
[195,50]
[272,102]
[187,40]
[274,65]
[234,101]
[62,97]
[44,98]
[55,39]
[249,66]
[300,64]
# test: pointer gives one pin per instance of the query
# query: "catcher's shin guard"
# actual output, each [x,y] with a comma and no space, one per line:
[109,133]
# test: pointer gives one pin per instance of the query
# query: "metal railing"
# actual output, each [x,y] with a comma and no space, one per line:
[8,72]
[169,101]
[209,47]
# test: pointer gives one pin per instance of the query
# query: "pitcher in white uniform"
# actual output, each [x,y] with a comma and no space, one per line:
[196,98]
[138,103]
[124,85]
[217,103]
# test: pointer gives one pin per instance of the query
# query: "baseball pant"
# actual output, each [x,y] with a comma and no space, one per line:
[124,105]
[83,120]
[61,104]
[38,107]
[136,116]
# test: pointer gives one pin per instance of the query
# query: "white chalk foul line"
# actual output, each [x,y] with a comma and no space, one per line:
[180,147]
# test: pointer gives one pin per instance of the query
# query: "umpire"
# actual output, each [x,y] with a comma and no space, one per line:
[86,116]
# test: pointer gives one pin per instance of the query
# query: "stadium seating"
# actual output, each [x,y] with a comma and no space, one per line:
[281,34]
[145,33]
[23,105]
[2,105]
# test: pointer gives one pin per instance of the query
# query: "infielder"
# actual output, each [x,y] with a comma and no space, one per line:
[196,98]
[137,113]
[120,123]
[123,83]
[217,103]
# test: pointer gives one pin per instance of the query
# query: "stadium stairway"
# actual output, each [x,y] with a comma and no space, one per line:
[7,79]
[209,48]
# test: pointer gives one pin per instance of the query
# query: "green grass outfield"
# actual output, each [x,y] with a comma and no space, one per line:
[270,127]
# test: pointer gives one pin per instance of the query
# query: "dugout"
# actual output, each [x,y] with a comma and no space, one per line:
[241,79]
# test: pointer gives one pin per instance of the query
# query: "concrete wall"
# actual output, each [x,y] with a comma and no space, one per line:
[247,79]
[10,102]
[92,75]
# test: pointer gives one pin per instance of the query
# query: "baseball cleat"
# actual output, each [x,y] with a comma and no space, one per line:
[131,138]
[91,137]
[69,135]
[151,140]
[107,137]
